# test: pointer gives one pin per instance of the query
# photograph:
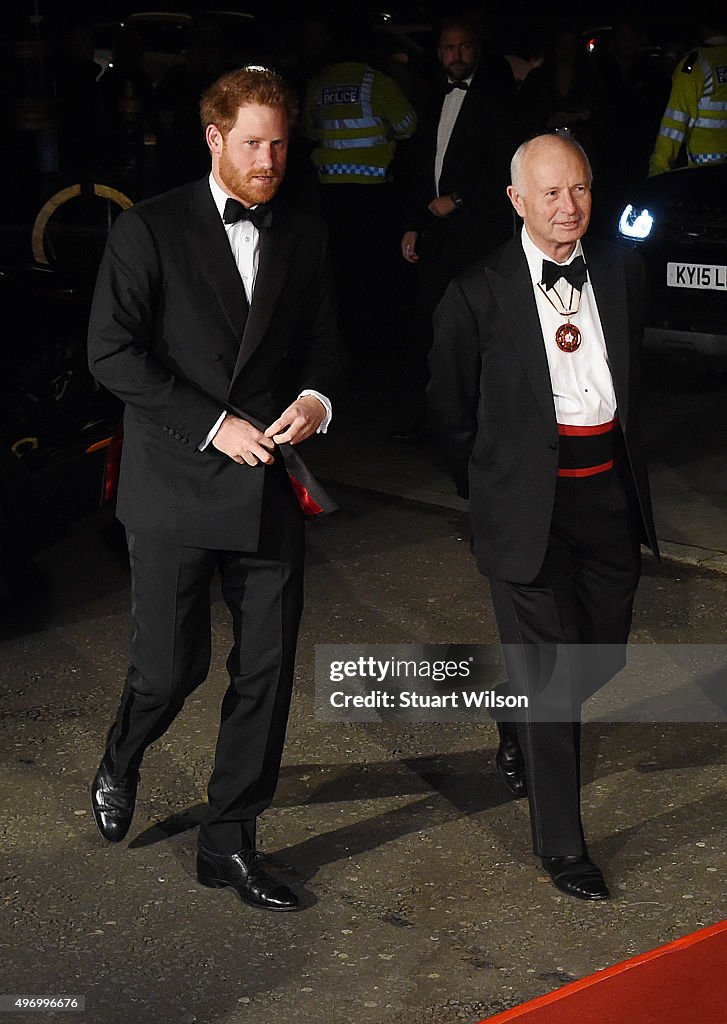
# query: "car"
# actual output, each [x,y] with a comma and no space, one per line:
[596,39]
[678,222]
[242,36]
[167,36]
[57,426]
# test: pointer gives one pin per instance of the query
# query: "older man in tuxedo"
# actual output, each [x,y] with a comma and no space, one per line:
[213,319]
[534,392]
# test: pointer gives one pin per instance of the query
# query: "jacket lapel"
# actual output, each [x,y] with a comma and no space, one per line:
[468,120]
[513,291]
[461,121]
[211,246]
[609,287]
[276,245]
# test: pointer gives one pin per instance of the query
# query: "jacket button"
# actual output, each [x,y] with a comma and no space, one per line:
[553,446]
[216,356]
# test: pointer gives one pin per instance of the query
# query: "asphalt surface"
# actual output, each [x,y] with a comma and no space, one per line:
[684,430]
[422,901]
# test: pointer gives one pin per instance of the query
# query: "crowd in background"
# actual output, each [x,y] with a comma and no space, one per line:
[139,133]
[611,98]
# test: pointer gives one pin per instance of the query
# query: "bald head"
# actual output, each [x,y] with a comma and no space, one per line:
[551,190]
[537,148]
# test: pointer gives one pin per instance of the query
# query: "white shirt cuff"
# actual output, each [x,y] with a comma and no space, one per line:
[327,405]
[309,391]
[215,428]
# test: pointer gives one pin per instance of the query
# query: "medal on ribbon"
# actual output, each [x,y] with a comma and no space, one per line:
[568,337]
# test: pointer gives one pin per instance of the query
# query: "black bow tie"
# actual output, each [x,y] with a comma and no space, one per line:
[574,273]
[261,216]
[456,85]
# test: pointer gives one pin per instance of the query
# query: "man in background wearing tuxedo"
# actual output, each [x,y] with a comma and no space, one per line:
[453,176]
[213,320]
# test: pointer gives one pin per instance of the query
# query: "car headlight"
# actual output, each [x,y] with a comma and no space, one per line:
[635,222]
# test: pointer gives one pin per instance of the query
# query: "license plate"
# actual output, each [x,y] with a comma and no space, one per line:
[705,276]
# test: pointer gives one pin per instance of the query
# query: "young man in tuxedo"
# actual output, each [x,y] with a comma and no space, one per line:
[213,320]
[534,394]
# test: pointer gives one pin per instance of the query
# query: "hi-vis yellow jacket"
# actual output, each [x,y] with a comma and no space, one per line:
[696,113]
[355,114]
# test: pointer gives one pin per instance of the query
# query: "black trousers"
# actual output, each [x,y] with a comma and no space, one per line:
[171,650]
[564,636]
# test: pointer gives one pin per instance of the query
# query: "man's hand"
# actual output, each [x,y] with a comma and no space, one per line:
[442,206]
[242,442]
[300,420]
[409,246]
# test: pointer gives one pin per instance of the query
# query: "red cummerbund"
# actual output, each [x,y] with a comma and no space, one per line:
[586,451]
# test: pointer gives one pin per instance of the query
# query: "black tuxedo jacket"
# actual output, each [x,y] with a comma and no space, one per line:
[476,165]
[171,335]
[492,401]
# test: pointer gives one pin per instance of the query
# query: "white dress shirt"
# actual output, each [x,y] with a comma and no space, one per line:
[581,381]
[450,111]
[244,239]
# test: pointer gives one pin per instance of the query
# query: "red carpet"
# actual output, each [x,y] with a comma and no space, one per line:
[684,982]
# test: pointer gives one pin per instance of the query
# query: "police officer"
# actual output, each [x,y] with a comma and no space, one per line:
[696,114]
[355,114]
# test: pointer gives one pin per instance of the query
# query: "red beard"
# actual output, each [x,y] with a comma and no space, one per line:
[248,188]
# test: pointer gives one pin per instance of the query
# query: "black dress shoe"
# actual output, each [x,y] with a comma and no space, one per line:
[577,876]
[244,872]
[112,802]
[509,761]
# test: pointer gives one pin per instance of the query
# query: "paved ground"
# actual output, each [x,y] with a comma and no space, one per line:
[684,426]
[423,902]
